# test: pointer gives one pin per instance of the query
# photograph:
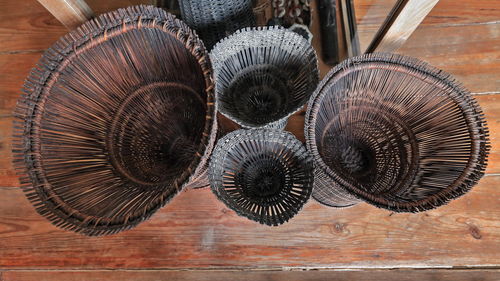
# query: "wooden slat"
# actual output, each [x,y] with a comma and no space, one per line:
[370,14]
[470,53]
[14,68]
[402,20]
[28,26]
[8,176]
[153,275]
[197,231]
[71,13]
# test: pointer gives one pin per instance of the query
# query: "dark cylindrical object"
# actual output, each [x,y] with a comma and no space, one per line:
[329,33]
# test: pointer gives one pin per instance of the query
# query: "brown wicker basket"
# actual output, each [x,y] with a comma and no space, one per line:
[395,132]
[115,120]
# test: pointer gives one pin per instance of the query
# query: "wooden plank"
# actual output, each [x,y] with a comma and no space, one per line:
[71,13]
[370,14]
[197,231]
[8,176]
[470,53]
[154,275]
[14,68]
[402,20]
[28,26]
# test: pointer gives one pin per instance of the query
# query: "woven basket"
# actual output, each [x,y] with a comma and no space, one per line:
[263,75]
[216,19]
[262,174]
[396,133]
[115,120]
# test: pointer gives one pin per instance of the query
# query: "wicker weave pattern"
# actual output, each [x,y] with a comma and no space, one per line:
[264,175]
[396,133]
[216,19]
[106,132]
[263,75]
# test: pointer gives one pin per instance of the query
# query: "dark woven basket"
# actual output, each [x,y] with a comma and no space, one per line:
[263,75]
[216,19]
[115,119]
[264,174]
[395,132]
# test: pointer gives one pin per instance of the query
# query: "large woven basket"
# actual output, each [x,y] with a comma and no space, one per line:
[394,132]
[115,120]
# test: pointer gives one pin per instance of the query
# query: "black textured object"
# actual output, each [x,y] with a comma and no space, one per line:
[115,120]
[216,19]
[327,10]
[263,75]
[262,174]
[290,12]
[395,132]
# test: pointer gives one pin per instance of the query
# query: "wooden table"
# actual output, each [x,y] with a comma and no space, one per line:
[195,235]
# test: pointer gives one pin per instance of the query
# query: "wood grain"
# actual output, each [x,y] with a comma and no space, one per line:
[370,15]
[402,20]
[27,26]
[154,275]
[197,231]
[71,13]
[471,53]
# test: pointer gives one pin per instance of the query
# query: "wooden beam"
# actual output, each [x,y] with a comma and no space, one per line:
[349,27]
[236,275]
[404,18]
[71,13]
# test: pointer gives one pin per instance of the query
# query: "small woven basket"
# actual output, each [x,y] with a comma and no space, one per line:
[263,75]
[115,120]
[262,174]
[396,133]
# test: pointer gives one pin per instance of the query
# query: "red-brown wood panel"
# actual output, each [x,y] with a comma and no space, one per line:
[196,231]
[153,275]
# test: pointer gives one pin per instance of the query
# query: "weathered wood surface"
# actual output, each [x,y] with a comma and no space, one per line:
[372,275]
[71,13]
[402,20]
[27,26]
[371,14]
[197,231]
